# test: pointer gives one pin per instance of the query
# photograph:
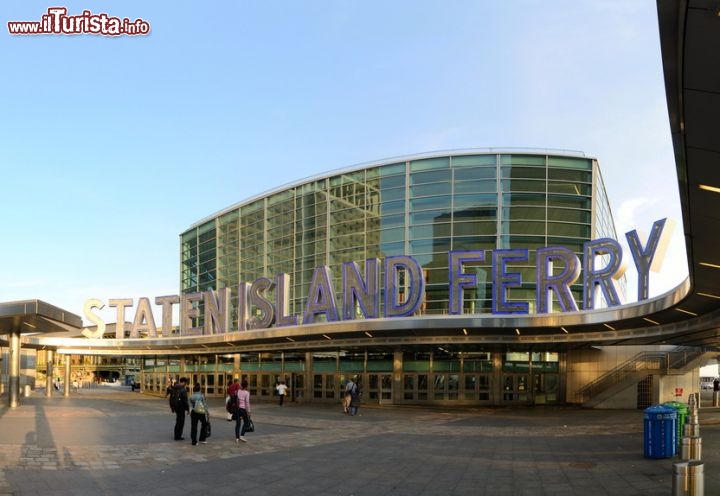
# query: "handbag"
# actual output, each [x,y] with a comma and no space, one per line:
[208,429]
[251,426]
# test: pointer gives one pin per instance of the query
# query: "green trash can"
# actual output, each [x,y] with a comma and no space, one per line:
[682,413]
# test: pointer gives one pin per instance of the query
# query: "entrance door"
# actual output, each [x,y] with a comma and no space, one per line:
[326,386]
[379,388]
[516,388]
[415,387]
[546,388]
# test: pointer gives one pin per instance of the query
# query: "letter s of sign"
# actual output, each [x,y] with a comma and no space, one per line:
[95,319]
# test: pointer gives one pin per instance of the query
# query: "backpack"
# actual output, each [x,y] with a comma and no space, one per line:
[232,404]
[200,407]
[175,402]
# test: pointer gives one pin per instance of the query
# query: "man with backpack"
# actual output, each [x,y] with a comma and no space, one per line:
[352,397]
[179,406]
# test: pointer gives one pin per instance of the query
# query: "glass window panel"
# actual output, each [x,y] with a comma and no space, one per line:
[437,245]
[393,221]
[463,202]
[394,207]
[532,199]
[523,185]
[519,159]
[429,164]
[473,160]
[434,189]
[392,235]
[577,176]
[431,177]
[392,169]
[572,230]
[429,230]
[392,182]
[429,216]
[516,172]
[572,244]
[434,202]
[570,163]
[568,215]
[486,228]
[478,213]
[569,202]
[475,187]
[474,243]
[476,173]
[577,189]
[536,228]
[524,213]
[390,249]
[392,194]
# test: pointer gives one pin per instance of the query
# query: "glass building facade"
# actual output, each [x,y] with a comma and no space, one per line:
[422,207]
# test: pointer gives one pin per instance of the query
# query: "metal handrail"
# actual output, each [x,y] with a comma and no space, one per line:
[648,360]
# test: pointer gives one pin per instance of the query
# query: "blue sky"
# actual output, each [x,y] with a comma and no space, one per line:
[112,146]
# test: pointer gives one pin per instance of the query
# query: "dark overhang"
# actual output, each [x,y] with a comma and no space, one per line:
[36,317]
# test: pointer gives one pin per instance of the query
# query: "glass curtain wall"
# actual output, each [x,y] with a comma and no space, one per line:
[422,208]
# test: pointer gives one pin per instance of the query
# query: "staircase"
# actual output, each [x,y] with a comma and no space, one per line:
[676,362]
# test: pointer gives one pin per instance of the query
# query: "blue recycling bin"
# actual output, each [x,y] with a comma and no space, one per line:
[660,431]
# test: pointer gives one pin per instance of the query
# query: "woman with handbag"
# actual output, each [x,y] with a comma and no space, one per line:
[243,414]
[198,412]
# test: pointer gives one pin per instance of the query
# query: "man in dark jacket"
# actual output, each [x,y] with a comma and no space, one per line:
[180,406]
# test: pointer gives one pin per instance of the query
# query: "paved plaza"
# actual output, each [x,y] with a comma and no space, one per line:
[115,442]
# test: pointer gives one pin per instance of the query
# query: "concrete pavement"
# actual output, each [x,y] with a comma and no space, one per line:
[115,442]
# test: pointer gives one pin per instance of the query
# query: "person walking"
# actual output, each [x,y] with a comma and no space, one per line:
[282,390]
[243,414]
[179,405]
[347,396]
[354,399]
[231,400]
[198,412]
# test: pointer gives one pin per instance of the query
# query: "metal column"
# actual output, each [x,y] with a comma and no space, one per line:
[68,381]
[14,371]
[49,373]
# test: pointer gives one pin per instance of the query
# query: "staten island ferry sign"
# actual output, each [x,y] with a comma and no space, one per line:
[557,268]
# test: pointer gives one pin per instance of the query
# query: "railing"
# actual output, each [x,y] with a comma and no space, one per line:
[646,361]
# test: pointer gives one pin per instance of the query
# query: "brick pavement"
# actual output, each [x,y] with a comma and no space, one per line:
[115,442]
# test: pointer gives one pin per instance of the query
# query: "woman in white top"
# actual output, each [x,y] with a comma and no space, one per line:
[282,390]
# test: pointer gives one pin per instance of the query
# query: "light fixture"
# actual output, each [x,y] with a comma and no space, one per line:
[564,330]
[709,188]
[465,331]
[517,331]
[29,325]
[709,295]
[609,327]
[687,312]
[706,264]
[327,337]
[289,339]
[651,321]
[368,334]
